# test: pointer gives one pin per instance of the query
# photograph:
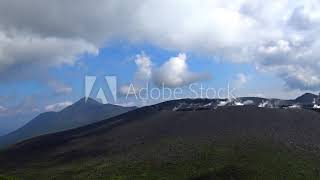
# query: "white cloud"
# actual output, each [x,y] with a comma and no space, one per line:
[58,106]
[276,36]
[59,88]
[240,80]
[175,73]
[3,109]
[295,61]
[265,104]
[23,55]
[144,66]
[129,90]
[248,102]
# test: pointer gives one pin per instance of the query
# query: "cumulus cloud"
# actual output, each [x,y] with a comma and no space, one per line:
[23,55]
[175,73]
[58,106]
[144,66]
[172,73]
[295,61]
[277,36]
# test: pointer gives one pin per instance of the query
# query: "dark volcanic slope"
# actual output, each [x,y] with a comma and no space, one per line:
[230,142]
[150,125]
[79,114]
[306,98]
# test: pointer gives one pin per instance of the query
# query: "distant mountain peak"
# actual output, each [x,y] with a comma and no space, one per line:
[306,98]
[78,114]
[89,101]
[307,95]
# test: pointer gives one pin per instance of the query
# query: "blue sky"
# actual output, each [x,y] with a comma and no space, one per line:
[118,59]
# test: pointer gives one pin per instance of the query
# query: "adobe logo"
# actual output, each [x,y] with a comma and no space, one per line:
[110,82]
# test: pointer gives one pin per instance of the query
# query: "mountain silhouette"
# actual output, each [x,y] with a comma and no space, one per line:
[78,114]
[152,142]
[306,98]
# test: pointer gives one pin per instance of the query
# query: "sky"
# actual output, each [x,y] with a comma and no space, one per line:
[47,48]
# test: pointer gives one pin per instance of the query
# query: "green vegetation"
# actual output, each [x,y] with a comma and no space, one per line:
[193,160]
[8,178]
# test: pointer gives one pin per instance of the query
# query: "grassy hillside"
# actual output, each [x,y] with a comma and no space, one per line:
[182,159]
[148,143]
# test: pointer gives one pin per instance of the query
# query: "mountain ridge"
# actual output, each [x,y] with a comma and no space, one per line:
[136,134]
[78,114]
[306,98]
[89,104]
